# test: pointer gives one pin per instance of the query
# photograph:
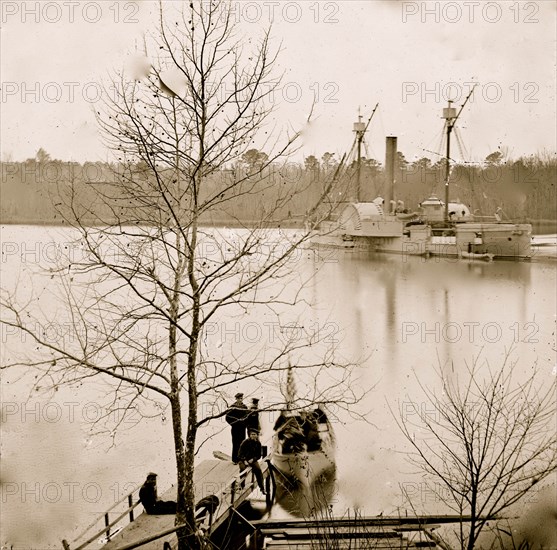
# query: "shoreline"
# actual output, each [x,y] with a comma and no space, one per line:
[551,225]
[249,224]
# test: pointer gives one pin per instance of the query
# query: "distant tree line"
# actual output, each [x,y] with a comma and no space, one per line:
[523,189]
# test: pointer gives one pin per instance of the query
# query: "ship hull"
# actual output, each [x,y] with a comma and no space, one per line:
[308,462]
[306,499]
[465,240]
[304,467]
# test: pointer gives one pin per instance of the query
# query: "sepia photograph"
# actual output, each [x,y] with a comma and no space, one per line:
[278,274]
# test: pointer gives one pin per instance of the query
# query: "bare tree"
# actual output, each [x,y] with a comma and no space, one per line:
[152,282]
[484,442]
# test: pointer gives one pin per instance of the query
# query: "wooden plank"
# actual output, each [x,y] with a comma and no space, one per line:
[329,533]
[380,544]
[144,526]
[390,521]
[415,527]
[372,530]
[392,544]
[294,531]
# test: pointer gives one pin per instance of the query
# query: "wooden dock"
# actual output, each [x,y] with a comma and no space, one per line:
[222,479]
[353,534]
[157,532]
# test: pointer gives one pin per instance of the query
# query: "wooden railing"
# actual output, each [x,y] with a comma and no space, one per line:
[237,489]
[210,524]
[108,523]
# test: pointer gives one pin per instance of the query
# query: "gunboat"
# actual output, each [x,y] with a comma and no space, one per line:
[438,228]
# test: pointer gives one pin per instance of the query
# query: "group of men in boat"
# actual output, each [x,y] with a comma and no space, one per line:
[298,432]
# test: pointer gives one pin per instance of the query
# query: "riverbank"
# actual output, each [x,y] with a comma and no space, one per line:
[539,227]
[289,223]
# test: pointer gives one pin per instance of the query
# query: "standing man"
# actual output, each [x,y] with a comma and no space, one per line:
[236,416]
[252,422]
[249,455]
[149,499]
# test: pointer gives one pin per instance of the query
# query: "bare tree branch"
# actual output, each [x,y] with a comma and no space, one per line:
[488,442]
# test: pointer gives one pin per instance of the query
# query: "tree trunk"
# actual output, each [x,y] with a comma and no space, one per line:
[185,498]
[185,494]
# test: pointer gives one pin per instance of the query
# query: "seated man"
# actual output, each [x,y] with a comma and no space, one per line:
[311,429]
[320,415]
[291,435]
[249,454]
[151,503]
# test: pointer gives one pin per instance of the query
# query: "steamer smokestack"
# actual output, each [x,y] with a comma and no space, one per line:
[390,158]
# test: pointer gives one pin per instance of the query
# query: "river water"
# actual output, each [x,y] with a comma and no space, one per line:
[402,319]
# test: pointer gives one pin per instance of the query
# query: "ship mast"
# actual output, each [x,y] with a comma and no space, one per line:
[451,116]
[360,129]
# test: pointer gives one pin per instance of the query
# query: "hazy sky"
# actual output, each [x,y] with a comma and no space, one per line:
[408,56]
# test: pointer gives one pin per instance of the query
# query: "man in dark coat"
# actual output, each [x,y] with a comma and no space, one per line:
[236,417]
[320,415]
[249,455]
[151,503]
[252,421]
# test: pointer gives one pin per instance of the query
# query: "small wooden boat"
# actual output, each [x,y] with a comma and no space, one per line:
[486,257]
[303,445]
